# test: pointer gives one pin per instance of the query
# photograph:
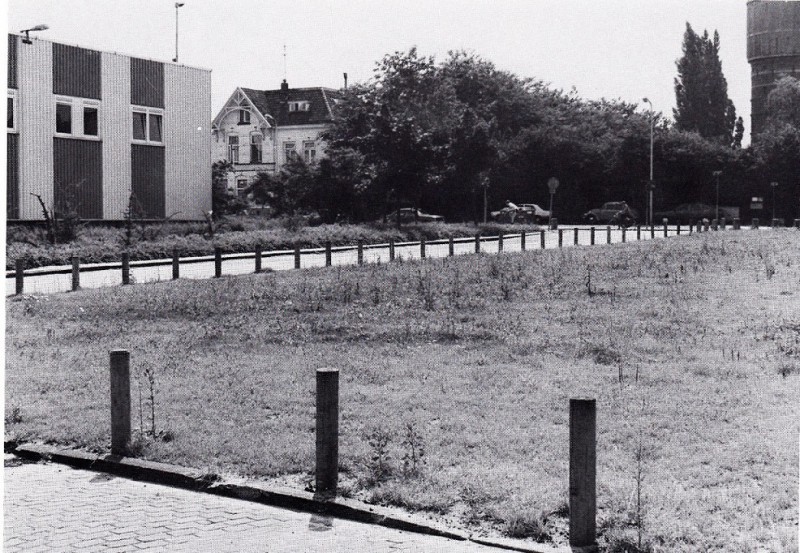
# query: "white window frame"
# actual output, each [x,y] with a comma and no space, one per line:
[309,147]
[12,95]
[299,105]
[148,111]
[240,191]
[257,140]
[244,116]
[238,148]
[77,106]
[287,149]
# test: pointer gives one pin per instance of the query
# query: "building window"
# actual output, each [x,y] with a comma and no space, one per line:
[309,151]
[64,118]
[241,188]
[289,151]
[233,149]
[148,125]
[299,106]
[256,148]
[11,113]
[244,117]
[90,121]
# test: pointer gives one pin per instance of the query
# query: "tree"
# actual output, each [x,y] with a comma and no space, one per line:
[223,202]
[701,91]
[783,103]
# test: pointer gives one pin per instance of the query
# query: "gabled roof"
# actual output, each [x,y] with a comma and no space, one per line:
[275,103]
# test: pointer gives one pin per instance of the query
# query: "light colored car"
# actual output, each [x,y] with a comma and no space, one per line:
[523,213]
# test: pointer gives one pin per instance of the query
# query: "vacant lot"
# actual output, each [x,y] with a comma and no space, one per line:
[456,376]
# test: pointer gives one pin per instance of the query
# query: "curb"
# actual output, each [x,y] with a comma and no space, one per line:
[196,480]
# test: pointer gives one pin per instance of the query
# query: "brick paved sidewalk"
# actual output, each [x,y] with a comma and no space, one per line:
[55,508]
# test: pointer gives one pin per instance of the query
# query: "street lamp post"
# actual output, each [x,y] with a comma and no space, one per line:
[27,39]
[650,185]
[716,211]
[177,5]
[774,185]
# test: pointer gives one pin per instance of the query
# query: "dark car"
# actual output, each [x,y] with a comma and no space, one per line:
[523,213]
[618,213]
[688,213]
[412,215]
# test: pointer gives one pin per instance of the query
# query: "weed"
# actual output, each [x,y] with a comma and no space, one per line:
[378,467]
[527,525]
[14,416]
[425,288]
[414,450]
[787,370]
[588,281]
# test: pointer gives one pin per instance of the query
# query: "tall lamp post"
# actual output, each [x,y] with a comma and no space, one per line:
[177,5]
[716,211]
[27,39]
[650,184]
[774,185]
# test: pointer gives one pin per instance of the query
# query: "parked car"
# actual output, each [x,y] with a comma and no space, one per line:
[688,213]
[411,215]
[523,213]
[618,213]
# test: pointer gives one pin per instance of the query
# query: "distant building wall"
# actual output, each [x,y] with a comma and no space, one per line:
[773,50]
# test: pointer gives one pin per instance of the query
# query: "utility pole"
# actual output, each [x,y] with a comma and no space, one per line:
[650,184]
[716,212]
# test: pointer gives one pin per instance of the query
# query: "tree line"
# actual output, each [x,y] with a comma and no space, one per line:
[441,136]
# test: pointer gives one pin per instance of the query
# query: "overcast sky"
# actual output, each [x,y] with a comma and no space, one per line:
[604,48]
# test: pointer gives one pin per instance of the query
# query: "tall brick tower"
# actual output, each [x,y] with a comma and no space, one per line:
[773,50]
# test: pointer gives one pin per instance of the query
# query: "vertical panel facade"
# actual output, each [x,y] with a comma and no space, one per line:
[147,179]
[78,177]
[76,71]
[12,178]
[147,83]
[12,61]
[37,115]
[115,130]
[187,140]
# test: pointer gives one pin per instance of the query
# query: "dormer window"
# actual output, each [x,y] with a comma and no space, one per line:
[244,117]
[299,106]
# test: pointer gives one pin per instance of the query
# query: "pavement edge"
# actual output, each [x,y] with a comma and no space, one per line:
[196,480]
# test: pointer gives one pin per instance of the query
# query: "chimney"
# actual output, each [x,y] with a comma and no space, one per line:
[345,81]
[284,86]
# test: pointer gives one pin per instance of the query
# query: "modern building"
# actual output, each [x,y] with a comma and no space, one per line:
[260,130]
[773,50]
[89,130]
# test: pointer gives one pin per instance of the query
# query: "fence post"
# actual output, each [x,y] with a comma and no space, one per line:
[714,224]
[522,237]
[678,228]
[723,223]
[176,270]
[665,228]
[608,234]
[560,237]
[500,241]
[624,231]
[638,232]
[120,401]
[582,473]
[217,262]
[76,273]
[576,235]
[591,236]
[450,247]
[126,268]
[19,267]
[258,258]
[737,224]
[652,230]
[297,257]
[391,249]
[360,252]
[327,470]
[328,259]
[422,248]
[553,223]
[541,238]
[478,242]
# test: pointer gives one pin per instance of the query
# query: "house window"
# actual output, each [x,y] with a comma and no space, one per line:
[89,121]
[233,149]
[64,118]
[289,151]
[299,106]
[148,125]
[256,148]
[11,113]
[241,187]
[309,151]
[244,117]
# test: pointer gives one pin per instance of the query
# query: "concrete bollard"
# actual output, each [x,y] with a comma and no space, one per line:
[714,224]
[737,224]
[258,254]
[624,233]
[391,250]
[422,248]
[666,226]
[360,252]
[327,470]
[120,401]
[582,473]
[638,232]
[500,241]
[451,250]
[176,265]
[522,240]
[723,223]
[608,235]
[754,224]
[297,257]
[478,243]
[576,235]
[541,236]
[76,273]
[699,226]
[591,236]
[560,237]
[126,268]
[553,223]
[328,255]
[19,275]
[217,262]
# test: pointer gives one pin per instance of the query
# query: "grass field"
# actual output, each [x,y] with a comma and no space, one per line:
[690,345]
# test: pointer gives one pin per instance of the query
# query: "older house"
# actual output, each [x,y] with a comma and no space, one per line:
[259,130]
